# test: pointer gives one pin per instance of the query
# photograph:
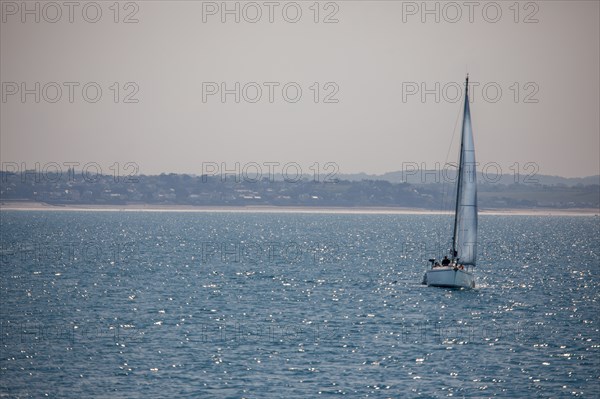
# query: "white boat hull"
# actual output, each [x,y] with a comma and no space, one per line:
[449,277]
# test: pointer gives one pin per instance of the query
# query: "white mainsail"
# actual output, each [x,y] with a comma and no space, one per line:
[464,243]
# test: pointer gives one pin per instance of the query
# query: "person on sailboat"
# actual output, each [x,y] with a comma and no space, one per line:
[445,261]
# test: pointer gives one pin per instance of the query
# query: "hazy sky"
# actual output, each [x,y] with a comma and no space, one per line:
[374,61]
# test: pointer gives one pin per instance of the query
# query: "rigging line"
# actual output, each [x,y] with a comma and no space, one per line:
[445,186]
[453,134]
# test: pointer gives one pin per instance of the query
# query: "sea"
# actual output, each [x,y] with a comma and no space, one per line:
[294,305]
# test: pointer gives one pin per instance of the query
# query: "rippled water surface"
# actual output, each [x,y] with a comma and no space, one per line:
[255,305]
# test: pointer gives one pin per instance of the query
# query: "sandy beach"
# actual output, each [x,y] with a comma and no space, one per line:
[40,206]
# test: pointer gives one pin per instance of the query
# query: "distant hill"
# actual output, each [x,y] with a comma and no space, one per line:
[440,176]
[395,189]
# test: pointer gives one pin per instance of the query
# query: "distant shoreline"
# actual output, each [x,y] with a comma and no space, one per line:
[40,206]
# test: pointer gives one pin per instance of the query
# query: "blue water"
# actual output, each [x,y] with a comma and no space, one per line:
[243,305]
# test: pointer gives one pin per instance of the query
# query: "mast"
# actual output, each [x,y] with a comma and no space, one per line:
[460,166]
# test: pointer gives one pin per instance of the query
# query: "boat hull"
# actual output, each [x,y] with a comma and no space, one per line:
[449,277]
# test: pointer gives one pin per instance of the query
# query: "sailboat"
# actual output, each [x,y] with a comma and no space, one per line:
[456,271]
